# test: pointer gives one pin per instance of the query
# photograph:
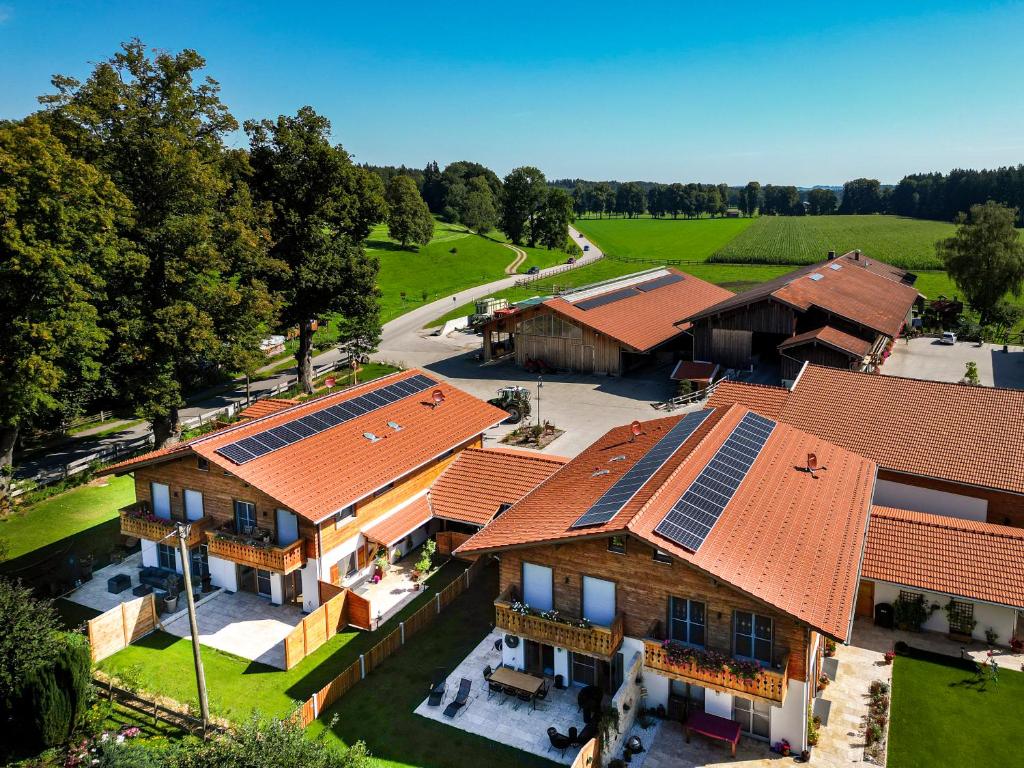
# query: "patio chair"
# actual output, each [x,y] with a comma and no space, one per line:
[497,645]
[436,688]
[495,688]
[487,672]
[460,700]
[558,741]
[524,697]
[541,695]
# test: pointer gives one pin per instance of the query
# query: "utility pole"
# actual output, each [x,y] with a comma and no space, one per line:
[183,530]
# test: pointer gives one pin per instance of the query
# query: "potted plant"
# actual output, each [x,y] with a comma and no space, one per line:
[991,636]
[830,647]
[171,598]
[823,682]
[889,656]
[1017,645]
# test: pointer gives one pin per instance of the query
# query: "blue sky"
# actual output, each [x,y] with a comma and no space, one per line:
[802,93]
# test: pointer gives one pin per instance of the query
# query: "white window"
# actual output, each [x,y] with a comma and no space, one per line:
[161,500]
[599,600]
[753,716]
[753,636]
[537,587]
[342,517]
[193,504]
[165,556]
[686,621]
[287,528]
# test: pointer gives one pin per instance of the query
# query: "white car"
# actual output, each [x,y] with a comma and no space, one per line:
[948,337]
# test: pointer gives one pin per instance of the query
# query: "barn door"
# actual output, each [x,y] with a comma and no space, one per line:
[866,599]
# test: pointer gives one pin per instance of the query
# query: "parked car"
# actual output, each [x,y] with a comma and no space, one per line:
[586,247]
[570,260]
[948,337]
[533,271]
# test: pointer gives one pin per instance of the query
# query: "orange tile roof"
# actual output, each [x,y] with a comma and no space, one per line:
[760,398]
[965,558]
[400,524]
[267,406]
[832,337]
[480,480]
[785,538]
[690,370]
[650,318]
[324,473]
[934,429]
[866,292]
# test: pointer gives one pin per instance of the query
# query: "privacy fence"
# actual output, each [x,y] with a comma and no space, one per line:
[344,609]
[389,644]
[121,626]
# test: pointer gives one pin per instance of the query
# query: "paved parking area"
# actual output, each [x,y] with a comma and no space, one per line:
[925,358]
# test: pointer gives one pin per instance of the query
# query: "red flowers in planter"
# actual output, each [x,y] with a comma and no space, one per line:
[889,656]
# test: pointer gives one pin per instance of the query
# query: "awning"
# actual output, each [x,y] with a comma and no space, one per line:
[399,525]
[690,370]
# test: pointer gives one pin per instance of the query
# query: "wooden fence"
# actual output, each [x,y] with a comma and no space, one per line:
[160,711]
[389,644]
[121,626]
[448,541]
[588,756]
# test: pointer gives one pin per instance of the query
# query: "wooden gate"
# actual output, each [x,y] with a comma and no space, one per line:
[866,599]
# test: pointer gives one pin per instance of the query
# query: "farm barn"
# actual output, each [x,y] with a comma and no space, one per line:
[609,327]
[841,313]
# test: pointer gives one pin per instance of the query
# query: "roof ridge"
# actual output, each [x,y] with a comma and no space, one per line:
[755,384]
[934,520]
[549,459]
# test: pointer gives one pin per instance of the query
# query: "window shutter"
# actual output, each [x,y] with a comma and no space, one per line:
[334,574]
[362,558]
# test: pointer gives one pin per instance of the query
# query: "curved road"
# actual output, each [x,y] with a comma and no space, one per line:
[401,342]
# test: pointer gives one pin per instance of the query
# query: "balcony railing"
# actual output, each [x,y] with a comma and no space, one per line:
[768,684]
[246,550]
[138,521]
[564,632]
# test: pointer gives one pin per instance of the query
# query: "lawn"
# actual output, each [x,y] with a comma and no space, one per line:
[380,710]
[907,243]
[943,711]
[662,239]
[51,521]
[162,664]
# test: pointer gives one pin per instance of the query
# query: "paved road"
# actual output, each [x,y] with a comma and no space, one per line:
[925,358]
[400,339]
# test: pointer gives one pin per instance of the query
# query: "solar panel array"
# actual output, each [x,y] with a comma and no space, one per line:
[607,298]
[660,282]
[691,519]
[626,487]
[262,443]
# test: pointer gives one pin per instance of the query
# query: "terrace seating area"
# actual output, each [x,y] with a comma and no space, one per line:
[492,711]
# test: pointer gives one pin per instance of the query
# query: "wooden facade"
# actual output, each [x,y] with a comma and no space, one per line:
[792,359]
[643,587]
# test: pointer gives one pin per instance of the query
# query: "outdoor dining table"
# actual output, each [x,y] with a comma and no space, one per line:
[520,681]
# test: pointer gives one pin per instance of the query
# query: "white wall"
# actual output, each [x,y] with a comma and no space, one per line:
[223,574]
[562,664]
[789,721]
[276,588]
[716,703]
[149,558]
[1001,619]
[310,585]
[628,694]
[891,494]
[514,657]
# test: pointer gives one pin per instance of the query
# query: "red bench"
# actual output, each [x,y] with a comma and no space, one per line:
[714,727]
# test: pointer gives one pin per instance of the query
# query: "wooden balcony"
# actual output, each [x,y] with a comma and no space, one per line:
[138,521]
[246,551]
[768,686]
[593,640]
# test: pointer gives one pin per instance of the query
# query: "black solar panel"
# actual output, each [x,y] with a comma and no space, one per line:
[660,282]
[625,488]
[693,516]
[262,443]
[607,298]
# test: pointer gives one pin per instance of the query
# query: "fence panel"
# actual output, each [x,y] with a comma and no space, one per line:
[419,620]
[358,609]
[317,628]
[120,626]
[338,687]
[587,756]
[382,650]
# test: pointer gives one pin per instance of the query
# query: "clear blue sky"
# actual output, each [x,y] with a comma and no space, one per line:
[799,93]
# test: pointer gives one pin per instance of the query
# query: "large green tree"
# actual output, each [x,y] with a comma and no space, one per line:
[479,212]
[156,126]
[58,244]
[985,257]
[409,219]
[322,209]
[553,223]
[523,196]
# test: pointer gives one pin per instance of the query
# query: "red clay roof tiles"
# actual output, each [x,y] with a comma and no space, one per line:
[267,406]
[831,337]
[400,524]
[480,480]
[970,559]
[324,473]
[789,539]
[760,398]
[650,318]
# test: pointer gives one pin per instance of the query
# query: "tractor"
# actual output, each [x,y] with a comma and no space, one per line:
[515,400]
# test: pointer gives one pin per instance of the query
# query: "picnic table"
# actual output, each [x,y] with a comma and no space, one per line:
[714,727]
[519,681]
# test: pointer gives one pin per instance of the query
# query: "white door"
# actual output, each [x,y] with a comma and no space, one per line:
[287,528]
[161,500]
[537,587]
[193,505]
[599,600]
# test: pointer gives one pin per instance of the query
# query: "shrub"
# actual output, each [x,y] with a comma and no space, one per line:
[873,734]
[879,687]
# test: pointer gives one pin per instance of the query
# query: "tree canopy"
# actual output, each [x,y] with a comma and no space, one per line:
[985,257]
[523,195]
[322,209]
[409,219]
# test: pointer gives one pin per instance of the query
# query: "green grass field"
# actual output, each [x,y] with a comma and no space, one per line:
[59,517]
[907,243]
[943,715]
[661,239]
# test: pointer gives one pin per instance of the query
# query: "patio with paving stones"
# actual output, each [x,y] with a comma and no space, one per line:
[243,624]
[498,719]
[392,593]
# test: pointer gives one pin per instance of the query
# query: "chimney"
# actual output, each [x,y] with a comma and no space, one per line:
[812,461]
[831,255]
[856,255]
